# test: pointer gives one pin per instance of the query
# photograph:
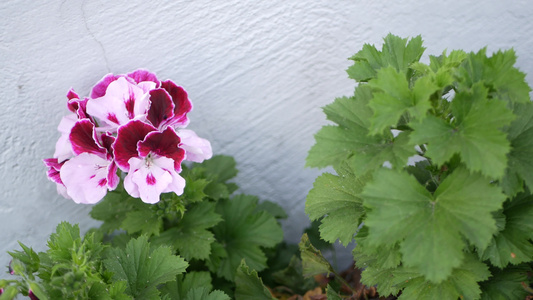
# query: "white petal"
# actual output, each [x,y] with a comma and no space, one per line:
[196,148]
[150,177]
[63,147]
[84,177]
[177,185]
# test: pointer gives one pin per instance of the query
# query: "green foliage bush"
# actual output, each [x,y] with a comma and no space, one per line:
[458,222]
[204,244]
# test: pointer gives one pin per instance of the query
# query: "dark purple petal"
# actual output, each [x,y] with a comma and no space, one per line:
[125,146]
[71,95]
[82,110]
[32,296]
[79,107]
[161,107]
[100,88]
[163,144]
[107,142]
[141,75]
[83,138]
[54,166]
[182,104]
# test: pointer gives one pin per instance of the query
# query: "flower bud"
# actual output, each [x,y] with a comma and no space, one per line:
[32,296]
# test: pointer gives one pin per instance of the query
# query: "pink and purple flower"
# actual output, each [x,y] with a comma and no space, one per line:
[131,122]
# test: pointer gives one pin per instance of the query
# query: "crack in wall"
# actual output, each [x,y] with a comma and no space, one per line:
[93,36]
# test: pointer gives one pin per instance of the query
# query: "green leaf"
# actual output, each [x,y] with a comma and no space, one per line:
[463,283]
[430,227]
[513,244]
[521,155]
[393,98]
[203,293]
[191,237]
[143,268]
[506,284]
[220,168]
[388,281]
[27,261]
[144,221]
[337,198]
[272,208]
[38,291]
[497,73]
[396,52]
[382,257]
[217,171]
[352,112]
[313,262]
[193,286]
[242,234]
[9,293]
[331,294]
[447,62]
[334,144]
[421,171]
[249,285]
[194,189]
[385,148]
[474,133]
[114,291]
[313,232]
[63,241]
[293,278]
[441,68]
[113,209]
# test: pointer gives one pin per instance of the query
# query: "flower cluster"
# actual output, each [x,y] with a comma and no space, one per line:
[133,123]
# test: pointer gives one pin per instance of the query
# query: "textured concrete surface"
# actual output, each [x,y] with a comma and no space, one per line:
[257,71]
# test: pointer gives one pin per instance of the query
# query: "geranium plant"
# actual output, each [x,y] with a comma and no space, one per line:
[434,168]
[170,230]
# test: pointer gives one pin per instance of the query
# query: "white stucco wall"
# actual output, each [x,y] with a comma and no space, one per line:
[257,71]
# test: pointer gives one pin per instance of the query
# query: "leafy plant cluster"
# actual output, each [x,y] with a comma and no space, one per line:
[455,224]
[204,244]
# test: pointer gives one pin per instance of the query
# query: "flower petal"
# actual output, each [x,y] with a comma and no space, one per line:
[135,163]
[177,185]
[107,142]
[83,138]
[161,107]
[148,178]
[54,166]
[163,144]
[196,148]
[141,75]
[63,149]
[123,101]
[125,146]
[182,104]
[112,177]
[71,95]
[79,107]
[85,177]
[100,88]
